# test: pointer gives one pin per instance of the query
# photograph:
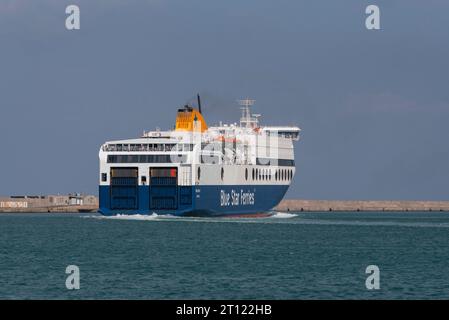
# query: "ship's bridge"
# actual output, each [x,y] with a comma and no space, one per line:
[283,131]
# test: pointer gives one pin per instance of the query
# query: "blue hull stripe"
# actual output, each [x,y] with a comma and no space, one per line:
[205,200]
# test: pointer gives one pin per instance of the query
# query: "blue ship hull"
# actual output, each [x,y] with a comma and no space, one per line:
[218,200]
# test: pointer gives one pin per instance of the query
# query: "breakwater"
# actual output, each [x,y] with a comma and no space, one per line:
[365,205]
[89,203]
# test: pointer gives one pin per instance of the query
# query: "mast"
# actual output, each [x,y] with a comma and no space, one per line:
[248,120]
[199,102]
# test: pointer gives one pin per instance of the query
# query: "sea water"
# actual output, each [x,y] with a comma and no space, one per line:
[286,256]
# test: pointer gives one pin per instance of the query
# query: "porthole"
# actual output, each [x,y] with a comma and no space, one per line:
[198,174]
[222,173]
[246,173]
[253,173]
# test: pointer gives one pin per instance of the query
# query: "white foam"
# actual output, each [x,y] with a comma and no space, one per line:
[283,215]
[133,217]
[136,217]
[165,217]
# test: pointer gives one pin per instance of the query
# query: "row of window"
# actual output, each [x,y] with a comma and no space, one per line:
[275,162]
[267,174]
[261,174]
[179,158]
[285,134]
[181,147]
[149,147]
[288,134]
[133,173]
[150,158]
[213,159]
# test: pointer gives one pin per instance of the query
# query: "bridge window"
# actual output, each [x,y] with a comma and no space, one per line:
[274,162]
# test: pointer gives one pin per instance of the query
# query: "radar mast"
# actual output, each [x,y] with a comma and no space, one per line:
[248,120]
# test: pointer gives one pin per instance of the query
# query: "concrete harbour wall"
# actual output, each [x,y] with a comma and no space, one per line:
[339,205]
[89,203]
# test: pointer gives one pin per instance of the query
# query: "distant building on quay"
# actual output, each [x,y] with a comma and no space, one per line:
[49,203]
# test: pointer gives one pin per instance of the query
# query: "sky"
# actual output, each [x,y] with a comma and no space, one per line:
[373,105]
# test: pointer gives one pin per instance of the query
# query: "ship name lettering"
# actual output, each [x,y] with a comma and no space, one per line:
[235,198]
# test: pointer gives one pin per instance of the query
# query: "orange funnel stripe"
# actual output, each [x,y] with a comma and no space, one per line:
[189,119]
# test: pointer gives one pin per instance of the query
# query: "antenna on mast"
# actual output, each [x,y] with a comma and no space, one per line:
[248,120]
[199,102]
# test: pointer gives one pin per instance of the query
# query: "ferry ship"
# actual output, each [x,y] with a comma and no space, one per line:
[195,170]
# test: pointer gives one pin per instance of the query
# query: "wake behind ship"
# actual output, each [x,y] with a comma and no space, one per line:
[235,169]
